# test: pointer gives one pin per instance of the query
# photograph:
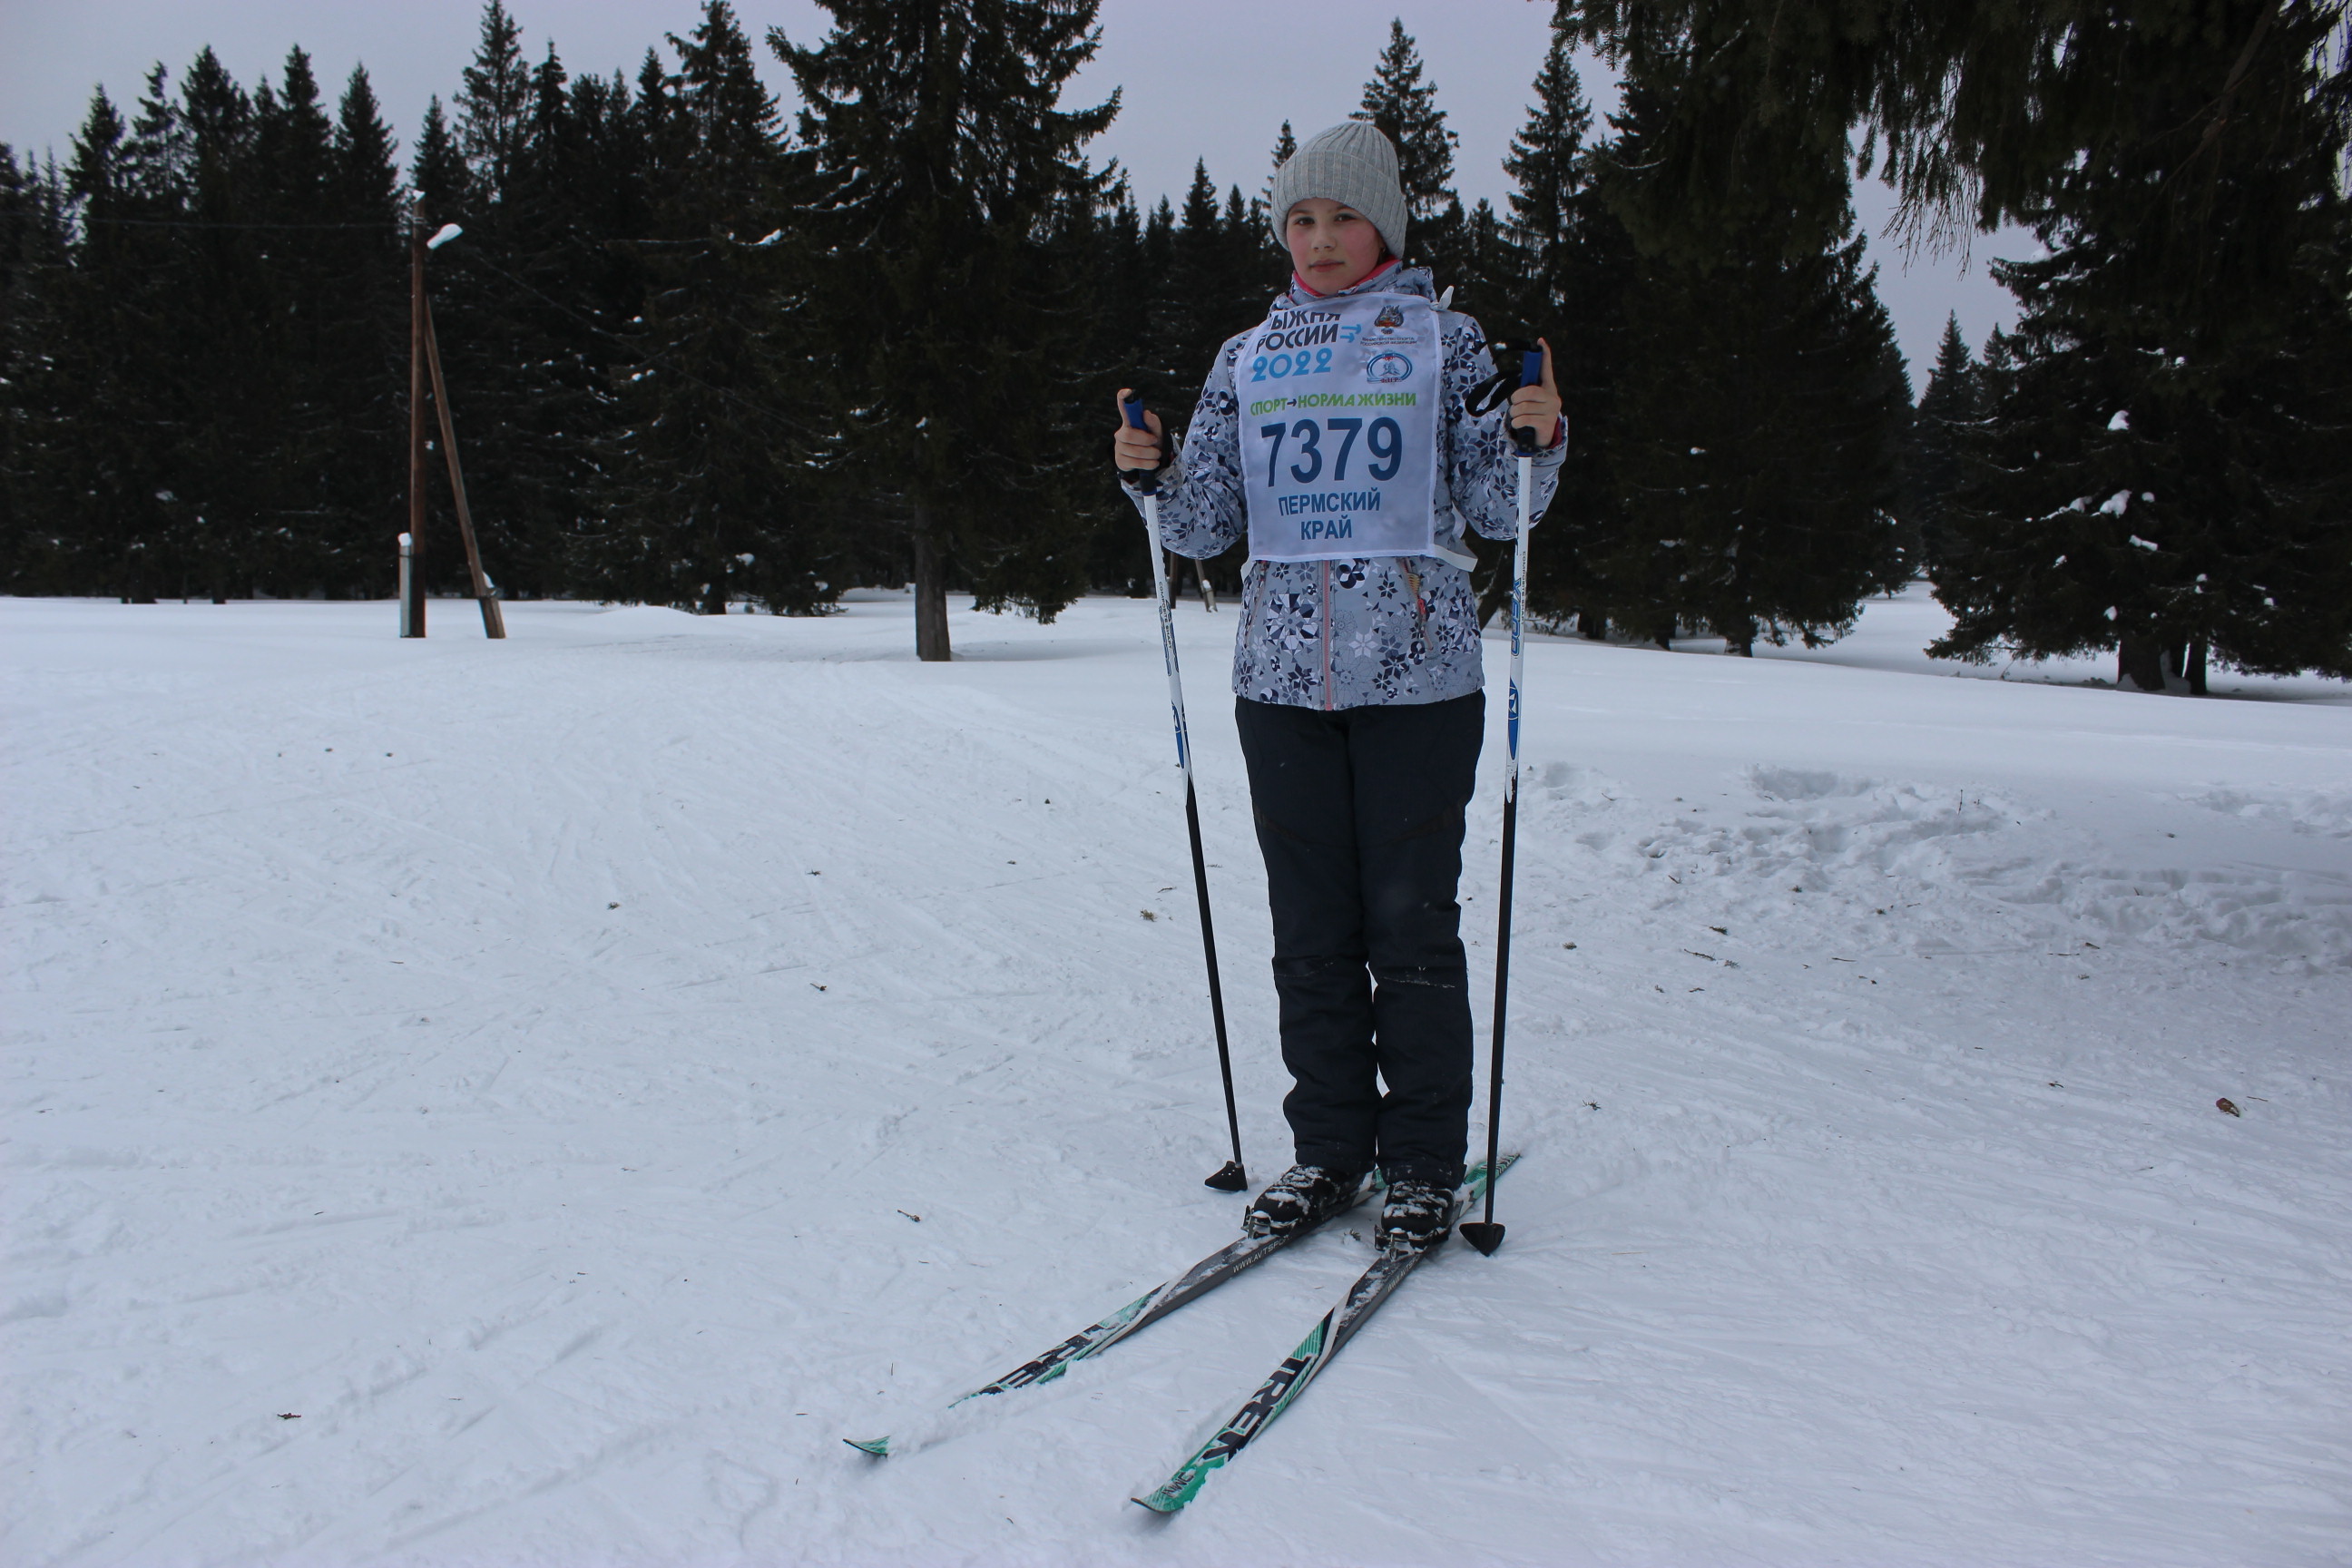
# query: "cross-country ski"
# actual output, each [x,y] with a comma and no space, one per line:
[1300,1367]
[1225,1263]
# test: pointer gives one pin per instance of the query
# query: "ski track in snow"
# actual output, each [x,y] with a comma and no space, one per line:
[522,1063]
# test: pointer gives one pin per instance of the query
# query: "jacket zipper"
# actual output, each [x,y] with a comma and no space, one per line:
[1327,636]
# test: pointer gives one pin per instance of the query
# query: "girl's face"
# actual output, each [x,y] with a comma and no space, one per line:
[1333,246]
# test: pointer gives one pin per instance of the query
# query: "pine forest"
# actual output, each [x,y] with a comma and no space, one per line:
[704,352]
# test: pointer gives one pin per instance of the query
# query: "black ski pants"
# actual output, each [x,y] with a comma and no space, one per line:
[1359,816]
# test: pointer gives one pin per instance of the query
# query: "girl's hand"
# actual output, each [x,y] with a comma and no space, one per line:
[1537,407]
[1132,449]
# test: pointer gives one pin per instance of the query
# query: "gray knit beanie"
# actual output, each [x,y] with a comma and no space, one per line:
[1351,163]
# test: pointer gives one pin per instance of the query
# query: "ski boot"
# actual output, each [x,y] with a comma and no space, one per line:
[1301,1198]
[1412,1219]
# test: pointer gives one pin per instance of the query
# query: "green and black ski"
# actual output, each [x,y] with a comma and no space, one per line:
[1314,1354]
[1148,1308]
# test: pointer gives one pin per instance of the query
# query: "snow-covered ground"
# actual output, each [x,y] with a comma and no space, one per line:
[471,1103]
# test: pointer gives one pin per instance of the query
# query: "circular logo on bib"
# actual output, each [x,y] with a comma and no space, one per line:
[1388,367]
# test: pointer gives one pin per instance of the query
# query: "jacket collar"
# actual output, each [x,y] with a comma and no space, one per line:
[1394,280]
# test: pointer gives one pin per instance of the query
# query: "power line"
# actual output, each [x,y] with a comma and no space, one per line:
[208,222]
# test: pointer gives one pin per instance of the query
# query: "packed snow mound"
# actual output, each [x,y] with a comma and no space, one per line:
[2292,915]
[1824,825]
[1802,783]
[2322,811]
[1575,785]
[1979,855]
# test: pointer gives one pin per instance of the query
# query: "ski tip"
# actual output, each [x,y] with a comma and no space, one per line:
[1230,1178]
[1181,1488]
[1485,1237]
[878,1447]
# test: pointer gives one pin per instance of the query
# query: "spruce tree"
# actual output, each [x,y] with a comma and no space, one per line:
[166,329]
[1980,108]
[494,105]
[436,171]
[548,179]
[1252,266]
[100,467]
[1405,108]
[1123,338]
[1156,365]
[1219,282]
[1254,271]
[951,173]
[1556,242]
[707,501]
[1763,406]
[1572,262]
[314,284]
[148,347]
[1548,172]
[555,281]
[505,313]
[363,342]
[1191,304]
[1931,455]
[1285,146]
[34,263]
[217,383]
[1159,239]
[441,187]
[2159,466]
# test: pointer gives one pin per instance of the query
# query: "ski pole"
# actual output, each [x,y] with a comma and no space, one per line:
[1486,1234]
[1231,1177]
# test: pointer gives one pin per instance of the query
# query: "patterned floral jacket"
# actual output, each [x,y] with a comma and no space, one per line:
[1354,634]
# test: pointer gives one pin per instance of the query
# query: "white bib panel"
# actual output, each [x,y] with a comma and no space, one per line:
[1338,428]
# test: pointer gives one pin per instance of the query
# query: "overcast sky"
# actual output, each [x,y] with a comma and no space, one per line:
[1212,79]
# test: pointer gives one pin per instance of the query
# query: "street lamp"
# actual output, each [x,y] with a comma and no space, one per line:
[424,360]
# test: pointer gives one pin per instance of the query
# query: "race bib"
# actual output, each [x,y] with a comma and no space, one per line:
[1338,437]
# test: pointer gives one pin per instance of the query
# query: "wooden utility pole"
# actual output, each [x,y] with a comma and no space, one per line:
[494,621]
[423,360]
[411,610]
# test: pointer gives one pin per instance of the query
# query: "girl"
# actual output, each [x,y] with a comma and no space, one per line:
[1337,437]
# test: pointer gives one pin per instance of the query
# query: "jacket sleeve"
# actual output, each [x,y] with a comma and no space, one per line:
[1202,512]
[1482,467]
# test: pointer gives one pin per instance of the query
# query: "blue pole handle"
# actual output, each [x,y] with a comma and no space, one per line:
[1531,362]
[1146,479]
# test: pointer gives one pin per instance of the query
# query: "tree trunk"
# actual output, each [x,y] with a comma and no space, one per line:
[2139,663]
[931,592]
[1592,625]
[2196,671]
